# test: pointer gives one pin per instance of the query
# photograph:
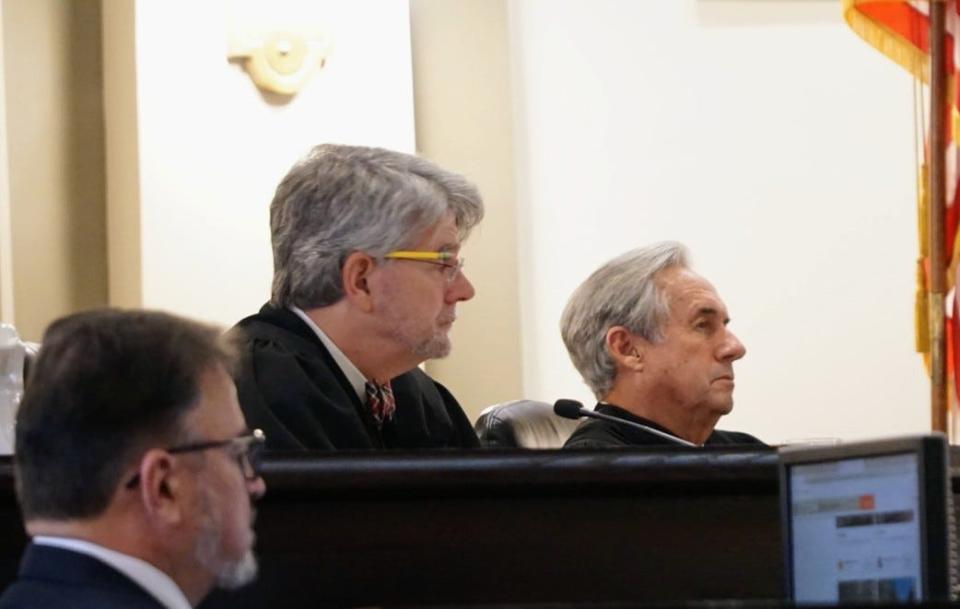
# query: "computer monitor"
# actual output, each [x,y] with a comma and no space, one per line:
[867,521]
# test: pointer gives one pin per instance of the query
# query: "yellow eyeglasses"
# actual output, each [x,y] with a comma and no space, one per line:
[451,263]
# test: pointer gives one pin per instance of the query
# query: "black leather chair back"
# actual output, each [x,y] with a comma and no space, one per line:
[523,424]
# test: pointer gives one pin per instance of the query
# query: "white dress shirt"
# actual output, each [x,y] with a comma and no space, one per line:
[157,583]
[353,374]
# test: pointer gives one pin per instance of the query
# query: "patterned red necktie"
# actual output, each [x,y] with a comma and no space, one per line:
[380,401]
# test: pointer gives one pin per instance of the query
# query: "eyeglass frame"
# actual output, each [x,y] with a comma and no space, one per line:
[248,459]
[452,271]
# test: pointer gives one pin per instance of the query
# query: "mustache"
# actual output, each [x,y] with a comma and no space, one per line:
[447,318]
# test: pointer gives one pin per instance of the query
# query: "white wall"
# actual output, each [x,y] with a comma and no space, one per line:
[773,142]
[212,147]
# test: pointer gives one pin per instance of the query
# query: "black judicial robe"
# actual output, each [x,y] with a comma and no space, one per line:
[290,386]
[597,433]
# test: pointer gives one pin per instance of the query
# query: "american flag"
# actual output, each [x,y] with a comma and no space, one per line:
[900,29]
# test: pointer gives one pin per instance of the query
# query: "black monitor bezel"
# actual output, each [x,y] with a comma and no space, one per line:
[933,459]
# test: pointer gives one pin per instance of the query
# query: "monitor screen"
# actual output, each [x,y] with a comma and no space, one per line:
[866,522]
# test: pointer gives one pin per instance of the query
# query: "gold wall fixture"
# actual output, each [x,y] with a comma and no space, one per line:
[280,60]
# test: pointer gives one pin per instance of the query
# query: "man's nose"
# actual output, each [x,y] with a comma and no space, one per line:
[732,349]
[461,289]
[257,487]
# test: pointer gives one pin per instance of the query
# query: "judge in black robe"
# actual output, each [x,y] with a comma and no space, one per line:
[651,338]
[367,279]
[290,386]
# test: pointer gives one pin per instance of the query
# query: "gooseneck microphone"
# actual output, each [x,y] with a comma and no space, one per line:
[572,409]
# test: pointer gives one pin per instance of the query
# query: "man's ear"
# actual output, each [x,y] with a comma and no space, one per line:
[355,275]
[161,488]
[626,348]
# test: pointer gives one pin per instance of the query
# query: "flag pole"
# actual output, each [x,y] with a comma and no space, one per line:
[935,220]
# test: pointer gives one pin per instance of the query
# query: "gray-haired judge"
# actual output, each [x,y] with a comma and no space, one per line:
[367,278]
[650,338]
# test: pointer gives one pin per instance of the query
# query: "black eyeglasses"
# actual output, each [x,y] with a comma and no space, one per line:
[247,449]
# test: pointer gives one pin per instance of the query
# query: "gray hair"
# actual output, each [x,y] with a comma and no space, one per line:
[622,292]
[343,199]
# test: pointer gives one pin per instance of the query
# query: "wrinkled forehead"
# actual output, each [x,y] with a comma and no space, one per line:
[442,236]
[688,294]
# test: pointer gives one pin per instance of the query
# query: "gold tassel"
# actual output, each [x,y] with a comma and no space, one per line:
[921,315]
[922,202]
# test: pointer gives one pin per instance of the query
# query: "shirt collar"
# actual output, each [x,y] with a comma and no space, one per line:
[353,374]
[157,583]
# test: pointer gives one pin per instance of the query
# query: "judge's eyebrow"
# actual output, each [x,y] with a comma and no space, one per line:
[708,311]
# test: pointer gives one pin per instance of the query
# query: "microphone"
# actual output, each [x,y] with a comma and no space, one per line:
[572,409]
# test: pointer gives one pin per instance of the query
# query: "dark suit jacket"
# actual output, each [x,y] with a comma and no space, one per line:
[54,578]
[291,387]
[597,433]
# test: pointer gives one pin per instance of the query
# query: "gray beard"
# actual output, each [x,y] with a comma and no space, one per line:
[435,348]
[240,573]
[227,575]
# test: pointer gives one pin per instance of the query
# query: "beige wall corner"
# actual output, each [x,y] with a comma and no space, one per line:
[6,238]
[122,153]
[463,117]
[55,149]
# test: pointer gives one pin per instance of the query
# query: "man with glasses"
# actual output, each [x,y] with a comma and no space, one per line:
[367,277]
[135,469]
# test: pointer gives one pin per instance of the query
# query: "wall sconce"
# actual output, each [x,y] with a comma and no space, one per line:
[281,60]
